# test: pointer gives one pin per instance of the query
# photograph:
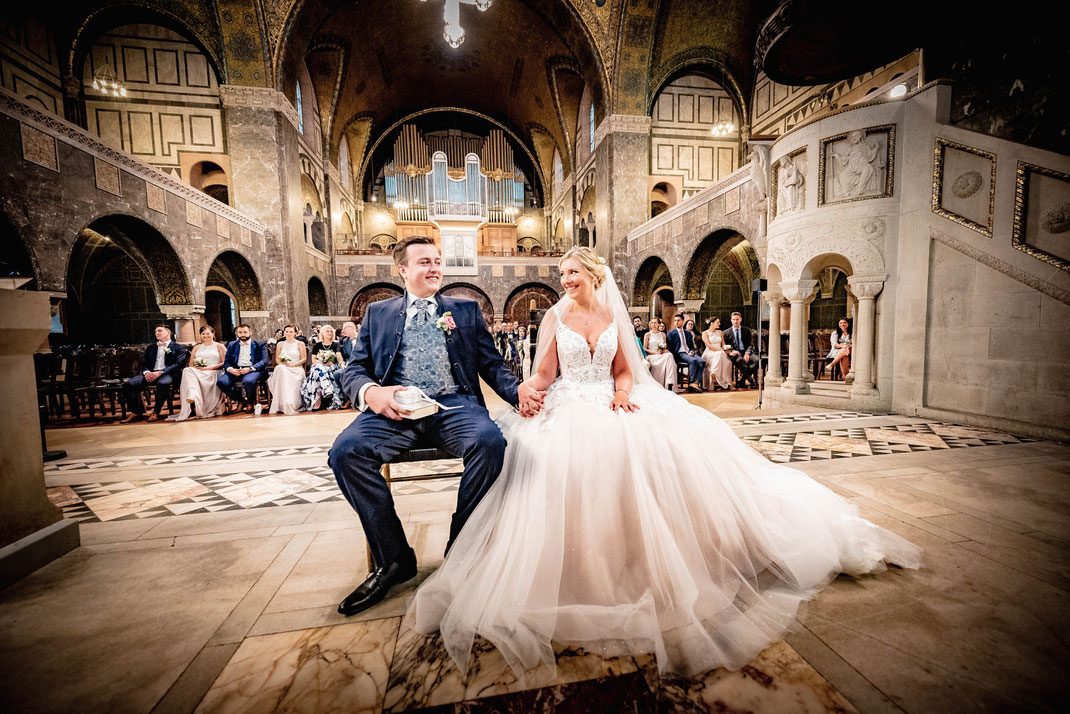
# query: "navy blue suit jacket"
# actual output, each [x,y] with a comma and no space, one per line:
[258,354]
[470,347]
[674,346]
[173,361]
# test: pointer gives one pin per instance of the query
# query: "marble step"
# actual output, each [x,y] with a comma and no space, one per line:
[830,389]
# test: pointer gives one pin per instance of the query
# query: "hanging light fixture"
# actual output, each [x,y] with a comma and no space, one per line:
[723,127]
[452,32]
[107,82]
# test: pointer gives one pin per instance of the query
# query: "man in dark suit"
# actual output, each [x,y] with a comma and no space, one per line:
[739,343]
[682,345]
[441,345]
[348,340]
[245,364]
[161,364]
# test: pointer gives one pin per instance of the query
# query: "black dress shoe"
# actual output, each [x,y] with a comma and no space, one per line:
[372,590]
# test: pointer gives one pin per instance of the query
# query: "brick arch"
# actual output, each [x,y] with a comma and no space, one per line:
[518,306]
[471,292]
[369,294]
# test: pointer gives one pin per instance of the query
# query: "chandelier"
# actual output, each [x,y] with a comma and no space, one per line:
[723,128]
[106,81]
[452,32]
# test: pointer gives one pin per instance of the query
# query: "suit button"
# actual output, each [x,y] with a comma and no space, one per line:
[397,334]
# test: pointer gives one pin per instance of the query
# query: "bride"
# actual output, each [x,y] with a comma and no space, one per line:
[622,538]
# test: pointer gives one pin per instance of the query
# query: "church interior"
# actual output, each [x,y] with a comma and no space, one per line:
[220,163]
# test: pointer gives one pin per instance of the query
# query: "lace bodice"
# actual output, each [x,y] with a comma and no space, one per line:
[574,356]
[715,338]
[291,351]
[657,340]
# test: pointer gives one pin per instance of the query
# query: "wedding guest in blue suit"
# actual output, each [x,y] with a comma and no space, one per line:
[161,365]
[683,348]
[441,345]
[245,365]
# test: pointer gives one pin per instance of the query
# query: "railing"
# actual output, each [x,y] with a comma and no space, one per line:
[487,253]
[473,209]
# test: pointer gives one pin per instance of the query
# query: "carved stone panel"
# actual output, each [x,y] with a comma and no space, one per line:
[107,176]
[497,271]
[731,201]
[1042,214]
[856,165]
[789,183]
[964,185]
[39,148]
[155,198]
[193,214]
[222,226]
[370,270]
[246,237]
[544,271]
[520,271]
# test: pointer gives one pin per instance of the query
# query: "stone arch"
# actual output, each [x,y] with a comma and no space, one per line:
[121,275]
[16,258]
[653,273]
[708,62]
[212,179]
[715,247]
[317,297]
[232,271]
[369,294]
[802,258]
[471,292]
[518,304]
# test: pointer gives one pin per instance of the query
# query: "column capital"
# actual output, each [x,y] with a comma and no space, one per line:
[639,310]
[773,297]
[690,305]
[798,291]
[623,123]
[235,95]
[181,312]
[866,286]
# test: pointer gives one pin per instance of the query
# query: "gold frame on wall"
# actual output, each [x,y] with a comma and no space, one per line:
[938,186]
[889,177]
[1021,196]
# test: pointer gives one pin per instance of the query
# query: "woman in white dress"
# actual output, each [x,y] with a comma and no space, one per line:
[523,343]
[599,534]
[662,363]
[718,365]
[199,393]
[289,374]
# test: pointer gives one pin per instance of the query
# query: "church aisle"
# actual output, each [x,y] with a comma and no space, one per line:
[209,573]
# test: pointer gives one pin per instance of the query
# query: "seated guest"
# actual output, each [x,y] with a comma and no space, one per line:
[288,376]
[683,348]
[662,364]
[160,364]
[718,372]
[301,336]
[739,342]
[689,326]
[527,351]
[245,364]
[275,339]
[199,393]
[322,380]
[349,340]
[840,354]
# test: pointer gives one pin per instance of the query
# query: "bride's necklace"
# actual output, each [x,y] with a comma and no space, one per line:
[590,316]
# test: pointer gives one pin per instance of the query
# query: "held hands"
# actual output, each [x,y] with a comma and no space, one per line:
[622,403]
[381,401]
[529,400]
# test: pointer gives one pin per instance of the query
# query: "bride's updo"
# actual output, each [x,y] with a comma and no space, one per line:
[590,262]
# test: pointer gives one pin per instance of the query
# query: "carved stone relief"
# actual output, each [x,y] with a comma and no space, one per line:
[860,241]
[759,170]
[964,185]
[39,148]
[193,214]
[155,198]
[1042,214]
[107,176]
[856,165]
[789,183]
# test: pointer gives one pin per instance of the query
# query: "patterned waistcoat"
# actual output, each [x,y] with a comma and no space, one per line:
[422,358]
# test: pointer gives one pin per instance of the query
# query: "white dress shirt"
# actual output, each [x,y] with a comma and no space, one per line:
[410,312]
[161,357]
[245,354]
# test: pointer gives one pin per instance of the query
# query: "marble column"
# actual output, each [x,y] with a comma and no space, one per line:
[865,288]
[622,165]
[32,530]
[798,294]
[773,376]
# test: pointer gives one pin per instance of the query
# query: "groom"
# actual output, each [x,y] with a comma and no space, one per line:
[441,345]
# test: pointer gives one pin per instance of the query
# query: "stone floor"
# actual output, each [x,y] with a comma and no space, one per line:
[214,554]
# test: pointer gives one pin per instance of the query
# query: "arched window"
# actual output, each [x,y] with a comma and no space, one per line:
[300,111]
[592,127]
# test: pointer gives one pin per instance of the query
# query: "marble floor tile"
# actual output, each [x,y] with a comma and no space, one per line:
[894,436]
[329,669]
[834,443]
[271,488]
[127,503]
[62,496]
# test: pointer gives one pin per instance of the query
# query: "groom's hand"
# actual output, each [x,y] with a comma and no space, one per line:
[530,400]
[381,401]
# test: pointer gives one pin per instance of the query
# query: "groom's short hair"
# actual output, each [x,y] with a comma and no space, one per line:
[402,247]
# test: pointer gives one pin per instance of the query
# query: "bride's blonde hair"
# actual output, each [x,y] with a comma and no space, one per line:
[590,262]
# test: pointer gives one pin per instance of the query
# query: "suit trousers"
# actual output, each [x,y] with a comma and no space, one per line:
[746,368]
[133,387]
[372,440]
[695,365]
[236,387]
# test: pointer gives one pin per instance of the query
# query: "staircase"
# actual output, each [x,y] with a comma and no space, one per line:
[830,389]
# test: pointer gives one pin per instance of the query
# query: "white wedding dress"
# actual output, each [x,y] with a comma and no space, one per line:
[624,533]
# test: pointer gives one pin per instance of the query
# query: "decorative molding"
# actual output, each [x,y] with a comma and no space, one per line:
[798,291]
[938,186]
[1021,203]
[13,106]
[889,176]
[233,95]
[866,287]
[1002,266]
[621,123]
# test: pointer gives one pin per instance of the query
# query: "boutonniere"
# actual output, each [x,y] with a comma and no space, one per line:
[446,323]
[167,350]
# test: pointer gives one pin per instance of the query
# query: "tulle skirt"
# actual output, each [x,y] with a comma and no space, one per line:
[623,538]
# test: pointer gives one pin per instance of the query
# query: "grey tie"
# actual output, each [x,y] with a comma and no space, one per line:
[422,308]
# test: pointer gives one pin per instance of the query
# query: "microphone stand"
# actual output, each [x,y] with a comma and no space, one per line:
[761,372]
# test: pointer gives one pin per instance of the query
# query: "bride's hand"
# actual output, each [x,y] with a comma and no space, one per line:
[621,402]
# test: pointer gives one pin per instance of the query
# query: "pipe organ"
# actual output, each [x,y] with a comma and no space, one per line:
[451,176]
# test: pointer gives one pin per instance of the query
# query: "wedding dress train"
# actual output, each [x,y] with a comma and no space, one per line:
[610,531]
